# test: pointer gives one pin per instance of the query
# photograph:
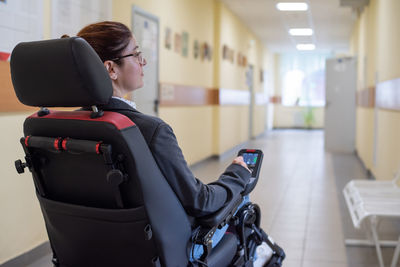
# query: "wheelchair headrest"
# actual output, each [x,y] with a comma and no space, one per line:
[63,72]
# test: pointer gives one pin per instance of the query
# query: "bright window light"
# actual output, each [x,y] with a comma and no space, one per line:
[305,47]
[301,32]
[292,6]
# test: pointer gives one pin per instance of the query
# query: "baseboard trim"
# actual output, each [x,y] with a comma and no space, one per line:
[29,256]
[297,128]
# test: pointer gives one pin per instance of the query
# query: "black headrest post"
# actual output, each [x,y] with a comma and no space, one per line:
[63,72]
[96,113]
[43,112]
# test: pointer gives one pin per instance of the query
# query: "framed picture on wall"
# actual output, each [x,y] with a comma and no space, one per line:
[204,51]
[178,43]
[196,49]
[185,44]
[168,41]
[225,52]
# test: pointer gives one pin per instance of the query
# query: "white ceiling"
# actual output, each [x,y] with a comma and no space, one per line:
[332,24]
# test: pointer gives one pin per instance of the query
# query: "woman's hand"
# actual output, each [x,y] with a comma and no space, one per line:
[239,160]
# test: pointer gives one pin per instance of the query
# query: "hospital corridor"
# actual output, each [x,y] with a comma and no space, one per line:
[200,133]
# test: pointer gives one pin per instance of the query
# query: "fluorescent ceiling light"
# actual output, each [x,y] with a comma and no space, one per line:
[305,47]
[292,6]
[301,32]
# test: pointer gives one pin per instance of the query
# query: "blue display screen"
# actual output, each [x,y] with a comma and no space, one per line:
[250,159]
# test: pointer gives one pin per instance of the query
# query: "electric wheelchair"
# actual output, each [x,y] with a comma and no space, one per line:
[103,198]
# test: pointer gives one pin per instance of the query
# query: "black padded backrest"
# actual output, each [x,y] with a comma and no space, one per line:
[85,229]
[169,222]
[59,73]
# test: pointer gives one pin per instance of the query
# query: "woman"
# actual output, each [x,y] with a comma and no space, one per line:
[118,49]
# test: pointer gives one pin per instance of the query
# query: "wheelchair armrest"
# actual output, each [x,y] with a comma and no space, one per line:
[221,217]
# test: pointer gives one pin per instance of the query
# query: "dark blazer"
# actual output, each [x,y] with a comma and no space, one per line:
[198,199]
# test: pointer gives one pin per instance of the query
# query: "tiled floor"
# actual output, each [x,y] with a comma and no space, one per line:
[299,192]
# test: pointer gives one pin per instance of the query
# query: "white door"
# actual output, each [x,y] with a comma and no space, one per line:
[249,81]
[146,30]
[340,107]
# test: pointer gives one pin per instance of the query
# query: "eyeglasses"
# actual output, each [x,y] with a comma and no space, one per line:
[138,55]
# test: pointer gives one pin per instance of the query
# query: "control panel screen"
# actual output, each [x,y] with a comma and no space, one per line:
[250,159]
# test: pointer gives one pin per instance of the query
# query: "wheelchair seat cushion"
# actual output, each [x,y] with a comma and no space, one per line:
[224,252]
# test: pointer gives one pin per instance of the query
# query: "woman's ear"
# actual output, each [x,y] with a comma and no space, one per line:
[110,67]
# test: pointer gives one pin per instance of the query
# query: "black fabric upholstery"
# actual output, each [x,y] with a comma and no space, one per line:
[222,255]
[85,236]
[146,186]
[85,224]
[59,73]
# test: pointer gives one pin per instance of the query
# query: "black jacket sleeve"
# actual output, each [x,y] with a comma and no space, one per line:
[198,199]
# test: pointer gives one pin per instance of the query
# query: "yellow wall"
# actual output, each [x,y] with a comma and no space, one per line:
[233,126]
[202,131]
[177,69]
[199,121]
[371,44]
[218,27]
[388,50]
[388,59]
[388,148]
[361,51]
[376,38]
[364,36]
[173,67]
[259,57]
[21,224]
[260,119]
[293,116]
[239,38]
[365,135]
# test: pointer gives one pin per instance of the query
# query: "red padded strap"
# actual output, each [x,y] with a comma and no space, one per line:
[118,120]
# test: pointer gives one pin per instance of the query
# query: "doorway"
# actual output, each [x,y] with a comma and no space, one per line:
[340,109]
[250,84]
[145,27]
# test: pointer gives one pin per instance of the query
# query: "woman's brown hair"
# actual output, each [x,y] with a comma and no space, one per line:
[108,38]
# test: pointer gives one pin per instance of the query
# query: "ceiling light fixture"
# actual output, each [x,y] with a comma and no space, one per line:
[292,6]
[301,32]
[305,47]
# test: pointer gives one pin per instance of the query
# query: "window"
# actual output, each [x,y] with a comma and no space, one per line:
[303,79]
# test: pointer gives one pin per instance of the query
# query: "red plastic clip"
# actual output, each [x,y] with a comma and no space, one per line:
[64,144]
[98,147]
[26,140]
[57,143]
